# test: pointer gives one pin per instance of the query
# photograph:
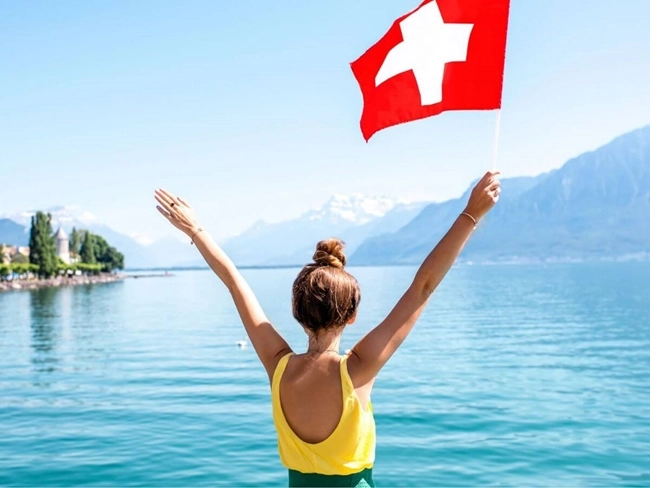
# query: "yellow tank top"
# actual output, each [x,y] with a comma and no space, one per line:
[349,449]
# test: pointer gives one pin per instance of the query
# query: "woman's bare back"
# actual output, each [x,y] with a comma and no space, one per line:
[311,395]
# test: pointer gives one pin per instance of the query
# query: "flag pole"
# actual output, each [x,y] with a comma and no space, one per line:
[503,80]
[496,140]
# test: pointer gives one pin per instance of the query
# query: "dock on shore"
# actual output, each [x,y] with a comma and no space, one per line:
[151,275]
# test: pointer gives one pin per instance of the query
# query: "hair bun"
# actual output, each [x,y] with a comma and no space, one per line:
[330,253]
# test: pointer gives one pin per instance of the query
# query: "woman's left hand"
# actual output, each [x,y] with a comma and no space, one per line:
[177,211]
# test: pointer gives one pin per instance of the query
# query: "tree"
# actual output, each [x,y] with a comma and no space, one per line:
[87,252]
[42,245]
[109,257]
[75,243]
[114,259]
[95,250]
[19,259]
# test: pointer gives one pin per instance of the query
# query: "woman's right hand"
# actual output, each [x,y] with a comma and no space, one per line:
[484,195]
[177,211]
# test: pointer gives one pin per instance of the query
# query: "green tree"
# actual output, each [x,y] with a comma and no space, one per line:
[75,243]
[19,259]
[106,255]
[42,245]
[87,251]
[96,251]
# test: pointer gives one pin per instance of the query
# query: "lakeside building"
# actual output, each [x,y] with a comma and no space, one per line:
[7,253]
[62,246]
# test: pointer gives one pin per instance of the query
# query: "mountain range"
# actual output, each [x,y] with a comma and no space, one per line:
[596,206]
[353,217]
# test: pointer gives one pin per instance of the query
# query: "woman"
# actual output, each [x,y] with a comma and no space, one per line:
[321,399]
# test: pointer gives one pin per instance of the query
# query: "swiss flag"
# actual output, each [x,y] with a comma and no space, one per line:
[444,55]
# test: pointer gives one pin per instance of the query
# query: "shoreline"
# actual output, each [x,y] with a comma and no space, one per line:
[59,281]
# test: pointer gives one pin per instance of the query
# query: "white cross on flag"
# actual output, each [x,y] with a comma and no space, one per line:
[444,55]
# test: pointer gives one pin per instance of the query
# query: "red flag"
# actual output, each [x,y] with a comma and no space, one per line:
[444,55]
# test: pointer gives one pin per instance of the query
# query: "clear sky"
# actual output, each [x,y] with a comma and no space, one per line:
[249,110]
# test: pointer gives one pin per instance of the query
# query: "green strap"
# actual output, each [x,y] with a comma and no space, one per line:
[362,479]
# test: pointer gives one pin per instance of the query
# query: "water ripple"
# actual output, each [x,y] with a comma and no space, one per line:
[514,376]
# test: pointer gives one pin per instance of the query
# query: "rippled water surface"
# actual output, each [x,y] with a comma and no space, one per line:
[514,376]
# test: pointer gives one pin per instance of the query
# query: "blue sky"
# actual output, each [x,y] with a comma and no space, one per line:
[249,109]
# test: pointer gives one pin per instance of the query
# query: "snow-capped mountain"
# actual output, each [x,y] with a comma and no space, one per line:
[352,218]
[65,216]
[355,209]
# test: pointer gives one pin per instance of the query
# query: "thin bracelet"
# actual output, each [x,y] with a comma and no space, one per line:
[193,236]
[473,219]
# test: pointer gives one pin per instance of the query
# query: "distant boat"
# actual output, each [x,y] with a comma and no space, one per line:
[242,344]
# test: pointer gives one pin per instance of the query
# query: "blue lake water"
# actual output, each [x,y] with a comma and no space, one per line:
[514,376]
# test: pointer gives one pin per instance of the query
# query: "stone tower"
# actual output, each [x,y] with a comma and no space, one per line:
[62,246]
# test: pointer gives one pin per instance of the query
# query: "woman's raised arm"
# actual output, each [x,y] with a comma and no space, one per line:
[373,351]
[268,343]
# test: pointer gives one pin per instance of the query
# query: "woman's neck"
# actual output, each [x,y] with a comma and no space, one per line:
[324,341]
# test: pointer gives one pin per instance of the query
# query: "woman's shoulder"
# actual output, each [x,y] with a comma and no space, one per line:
[280,359]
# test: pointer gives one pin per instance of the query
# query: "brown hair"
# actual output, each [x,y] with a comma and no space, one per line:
[325,296]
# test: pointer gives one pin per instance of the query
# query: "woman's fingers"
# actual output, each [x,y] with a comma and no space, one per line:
[166,193]
[494,185]
[168,198]
[164,204]
[491,175]
[163,212]
[165,196]
[172,198]
[488,179]
[484,195]
[162,196]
